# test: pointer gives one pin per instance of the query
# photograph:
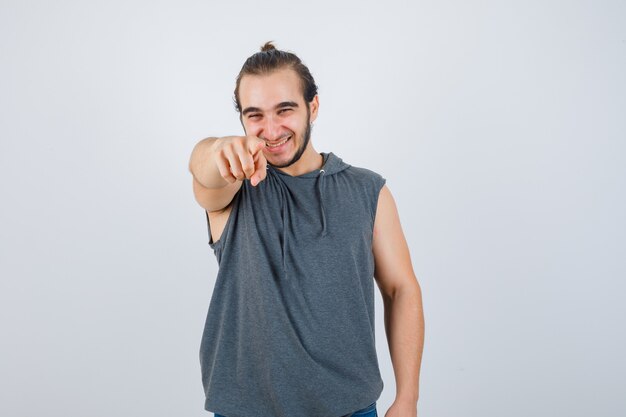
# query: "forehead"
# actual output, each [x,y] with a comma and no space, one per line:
[269,89]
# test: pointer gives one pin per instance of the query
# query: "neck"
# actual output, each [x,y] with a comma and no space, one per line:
[310,161]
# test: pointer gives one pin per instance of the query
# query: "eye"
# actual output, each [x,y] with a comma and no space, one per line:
[281,111]
[254,116]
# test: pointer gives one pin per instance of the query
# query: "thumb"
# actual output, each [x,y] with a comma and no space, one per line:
[260,166]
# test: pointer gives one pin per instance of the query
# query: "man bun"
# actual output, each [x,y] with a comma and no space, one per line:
[268,47]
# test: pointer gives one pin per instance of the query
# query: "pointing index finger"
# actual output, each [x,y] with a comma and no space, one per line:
[255,145]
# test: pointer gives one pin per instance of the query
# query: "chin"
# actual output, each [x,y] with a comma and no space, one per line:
[279,160]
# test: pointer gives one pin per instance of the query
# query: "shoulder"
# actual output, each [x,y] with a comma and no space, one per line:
[366,177]
[367,186]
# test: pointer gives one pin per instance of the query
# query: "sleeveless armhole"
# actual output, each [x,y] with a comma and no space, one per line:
[217,245]
[379,183]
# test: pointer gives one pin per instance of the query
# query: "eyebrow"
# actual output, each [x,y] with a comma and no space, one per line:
[278,106]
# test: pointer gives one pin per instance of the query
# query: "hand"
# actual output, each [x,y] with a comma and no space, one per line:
[240,157]
[402,409]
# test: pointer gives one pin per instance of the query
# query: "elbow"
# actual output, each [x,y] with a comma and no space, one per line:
[407,288]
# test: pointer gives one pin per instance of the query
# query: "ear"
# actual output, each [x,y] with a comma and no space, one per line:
[314,105]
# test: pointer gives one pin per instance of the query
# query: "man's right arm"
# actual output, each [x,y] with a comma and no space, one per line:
[219,166]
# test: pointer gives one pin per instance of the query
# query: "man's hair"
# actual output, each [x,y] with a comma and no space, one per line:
[271,59]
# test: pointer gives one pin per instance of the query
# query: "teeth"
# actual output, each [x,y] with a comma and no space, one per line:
[279,143]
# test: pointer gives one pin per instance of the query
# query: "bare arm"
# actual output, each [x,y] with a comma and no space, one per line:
[402,299]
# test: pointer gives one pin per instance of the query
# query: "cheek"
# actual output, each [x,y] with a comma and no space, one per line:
[296,128]
[252,128]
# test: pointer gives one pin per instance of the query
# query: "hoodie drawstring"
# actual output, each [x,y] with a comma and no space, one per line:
[319,189]
[284,212]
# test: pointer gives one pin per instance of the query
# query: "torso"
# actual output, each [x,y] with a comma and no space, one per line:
[217,220]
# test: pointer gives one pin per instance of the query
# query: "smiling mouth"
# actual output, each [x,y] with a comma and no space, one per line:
[274,145]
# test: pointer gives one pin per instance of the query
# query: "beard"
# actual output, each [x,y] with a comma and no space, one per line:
[305,141]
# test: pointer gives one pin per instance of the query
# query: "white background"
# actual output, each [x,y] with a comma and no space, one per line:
[499,126]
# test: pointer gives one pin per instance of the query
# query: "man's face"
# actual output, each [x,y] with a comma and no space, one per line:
[273,109]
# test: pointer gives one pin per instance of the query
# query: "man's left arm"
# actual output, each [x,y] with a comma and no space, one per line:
[402,299]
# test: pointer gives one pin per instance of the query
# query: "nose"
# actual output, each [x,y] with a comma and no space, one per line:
[271,130]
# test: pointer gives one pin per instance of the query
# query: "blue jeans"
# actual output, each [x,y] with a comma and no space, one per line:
[369,411]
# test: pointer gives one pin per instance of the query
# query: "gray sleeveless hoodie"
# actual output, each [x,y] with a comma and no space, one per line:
[290,326]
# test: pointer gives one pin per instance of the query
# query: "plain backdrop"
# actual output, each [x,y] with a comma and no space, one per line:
[500,128]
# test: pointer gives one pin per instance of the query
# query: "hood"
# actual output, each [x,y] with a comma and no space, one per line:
[332,164]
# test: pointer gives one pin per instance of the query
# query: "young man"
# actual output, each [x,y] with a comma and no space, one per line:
[298,236]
